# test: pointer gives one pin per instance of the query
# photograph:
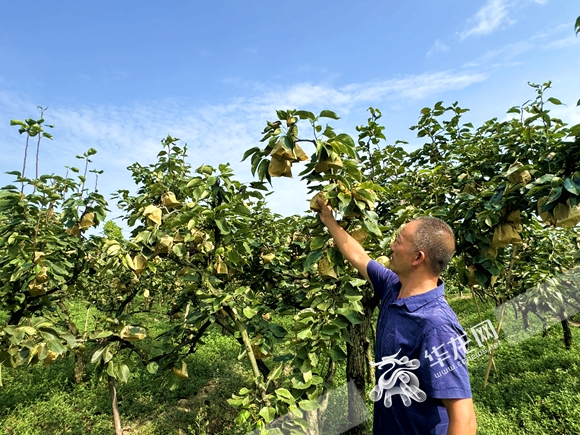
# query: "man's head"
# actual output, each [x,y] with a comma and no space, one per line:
[425,240]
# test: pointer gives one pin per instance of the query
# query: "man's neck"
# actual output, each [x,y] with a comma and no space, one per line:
[416,285]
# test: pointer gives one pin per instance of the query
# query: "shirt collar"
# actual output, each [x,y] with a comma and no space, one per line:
[413,303]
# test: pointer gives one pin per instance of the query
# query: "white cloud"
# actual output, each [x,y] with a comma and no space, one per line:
[494,15]
[510,51]
[438,47]
[215,133]
[558,37]
[413,87]
[490,17]
[569,113]
[563,43]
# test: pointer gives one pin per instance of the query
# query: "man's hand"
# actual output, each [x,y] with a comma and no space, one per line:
[349,247]
[324,212]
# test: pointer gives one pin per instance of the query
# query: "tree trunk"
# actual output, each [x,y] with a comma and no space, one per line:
[80,366]
[115,408]
[356,369]
[525,319]
[567,334]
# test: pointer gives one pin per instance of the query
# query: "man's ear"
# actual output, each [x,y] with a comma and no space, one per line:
[419,258]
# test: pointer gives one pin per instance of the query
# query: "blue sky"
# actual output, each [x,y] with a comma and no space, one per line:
[121,75]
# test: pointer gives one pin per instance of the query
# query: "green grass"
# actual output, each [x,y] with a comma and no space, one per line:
[535,390]
[43,400]
[536,387]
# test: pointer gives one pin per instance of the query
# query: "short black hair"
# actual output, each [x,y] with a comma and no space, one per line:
[435,238]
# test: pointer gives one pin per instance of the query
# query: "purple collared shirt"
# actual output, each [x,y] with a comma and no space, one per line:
[424,347]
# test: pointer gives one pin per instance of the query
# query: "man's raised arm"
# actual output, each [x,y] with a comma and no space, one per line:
[348,246]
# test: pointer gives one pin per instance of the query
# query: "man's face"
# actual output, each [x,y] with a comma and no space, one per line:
[402,253]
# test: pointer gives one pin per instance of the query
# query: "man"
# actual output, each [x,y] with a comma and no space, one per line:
[422,380]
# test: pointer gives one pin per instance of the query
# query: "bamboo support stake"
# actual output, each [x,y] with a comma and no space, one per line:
[508,283]
[185,316]
[87,320]
[249,351]
[481,320]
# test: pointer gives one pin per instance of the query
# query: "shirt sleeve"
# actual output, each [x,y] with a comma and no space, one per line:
[381,278]
[443,366]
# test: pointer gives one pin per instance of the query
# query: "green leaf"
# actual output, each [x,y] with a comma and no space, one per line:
[335,256]
[303,114]
[236,402]
[297,413]
[372,227]
[250,312]
[55,346]
[111,369]
[481,278]
[285,396]
[328,114]
[575,130]
[312,259]
[308,405]
[317,380]
[104,334]
[337,354]
[249,152]
[233,256]
[108,355]
[277,330]
[304,334]
[152,367]
[555,101]
[555,193]
[571,187]
[243,210]
[348,143]
[546,178]
[299,384]
[28,330]
[275,374]
[317,243]
[263,170]
[205,169]
[223,226]
[497,195]
[179,250]
[267,413]
[123,373]
[354,317]
[97,355]
[330,329]
[242,417]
